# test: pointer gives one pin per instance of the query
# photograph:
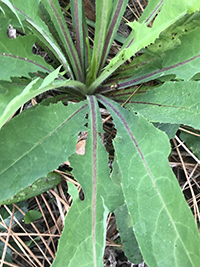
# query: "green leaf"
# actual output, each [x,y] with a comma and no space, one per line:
[57,25]
[8,3]
[169,55]
[8,256]
[103,16]
[172,102]
[152,192]
[32,215]
[29,15]
[17,58]
[192,142]
[179,7]
[85,223]
[124,222]
[143,36]
[15,94]
[80,28]
[38,187]
[168,128]
[127,236]
[119,8]
[36,142]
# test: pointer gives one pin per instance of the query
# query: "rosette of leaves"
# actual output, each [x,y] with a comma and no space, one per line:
[36,141]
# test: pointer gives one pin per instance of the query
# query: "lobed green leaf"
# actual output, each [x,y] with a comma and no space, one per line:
[169,55]
[29,15]
[143,35]
[15,94]
[35,143]
[17,58]
[152,192]
[87,218]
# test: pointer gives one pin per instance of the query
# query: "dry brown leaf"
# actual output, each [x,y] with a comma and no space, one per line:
[80,147]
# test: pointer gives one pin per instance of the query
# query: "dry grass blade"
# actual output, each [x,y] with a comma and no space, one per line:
[186,149]
[10,264]
[195,205]
[140,5]
[190,132]
[62,215]
[47,225]
[43,240]
[7,238]
[14,250]
[61,200]
[138,13]
[21,245]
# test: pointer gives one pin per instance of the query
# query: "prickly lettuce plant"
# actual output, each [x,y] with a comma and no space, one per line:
[141,190]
